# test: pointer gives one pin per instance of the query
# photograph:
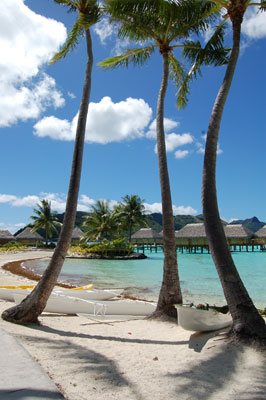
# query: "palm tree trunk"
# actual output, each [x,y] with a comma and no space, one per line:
[170,292]
[34,304]
[247,323]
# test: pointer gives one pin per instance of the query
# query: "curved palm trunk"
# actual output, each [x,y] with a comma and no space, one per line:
[247,323]
[170,292]
[34,304]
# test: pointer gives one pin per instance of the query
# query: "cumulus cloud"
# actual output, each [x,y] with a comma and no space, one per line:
[172,140]
[12,228]
[177,210]
[107,122]
[254,24]
[25,48]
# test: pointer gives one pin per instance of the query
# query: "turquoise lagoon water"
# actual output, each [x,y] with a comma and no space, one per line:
[142,278]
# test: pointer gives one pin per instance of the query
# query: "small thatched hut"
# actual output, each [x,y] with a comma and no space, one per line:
[191,235]
[147,236]
[76,235]
[29,238]
[261,235]
[5,237]
[238,235]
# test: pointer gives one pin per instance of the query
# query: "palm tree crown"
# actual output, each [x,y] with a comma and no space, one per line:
[45,219]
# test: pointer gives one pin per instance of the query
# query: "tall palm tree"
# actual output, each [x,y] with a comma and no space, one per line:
[247,323]
[131,213]
[34,304]
[100,223]
[164,24]
[45,219]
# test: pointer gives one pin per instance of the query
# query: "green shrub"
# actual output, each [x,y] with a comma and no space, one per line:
[117,247]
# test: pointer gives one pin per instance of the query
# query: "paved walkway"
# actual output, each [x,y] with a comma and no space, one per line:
[21,378]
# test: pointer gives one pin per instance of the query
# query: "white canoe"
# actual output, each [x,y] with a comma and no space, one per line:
[58,303]
[93,294]
[192,319]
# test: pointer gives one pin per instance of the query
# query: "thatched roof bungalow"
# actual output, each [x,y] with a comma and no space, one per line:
[238,235]
[5,237]
[29,238]
[191,235]
[147,235]
[76,235]
[261,236]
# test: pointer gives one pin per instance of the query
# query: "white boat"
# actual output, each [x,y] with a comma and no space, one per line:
[6,293]
[192,319]
[58,303]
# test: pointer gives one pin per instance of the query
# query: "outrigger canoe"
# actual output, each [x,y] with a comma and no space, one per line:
[84,292]
[192,319]
[58,303]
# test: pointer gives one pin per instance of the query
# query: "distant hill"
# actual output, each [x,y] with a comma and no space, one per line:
[155,222]
[253,224]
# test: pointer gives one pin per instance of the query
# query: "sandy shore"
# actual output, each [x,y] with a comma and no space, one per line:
[136,359]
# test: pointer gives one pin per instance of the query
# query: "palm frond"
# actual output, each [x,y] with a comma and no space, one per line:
[134,56]
[178,75]
[72,40]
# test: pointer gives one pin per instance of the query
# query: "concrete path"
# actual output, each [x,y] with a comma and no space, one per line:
[21,378]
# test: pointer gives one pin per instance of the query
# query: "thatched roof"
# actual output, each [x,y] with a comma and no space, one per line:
[191,231]
[28,235]
[147,233]
[237,231]
[6,235]
[198,231]
[76,233]
[261,233]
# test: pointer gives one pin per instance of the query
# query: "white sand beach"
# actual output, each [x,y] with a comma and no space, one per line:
[135,359]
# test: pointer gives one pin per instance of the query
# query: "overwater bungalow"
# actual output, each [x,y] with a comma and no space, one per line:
[147,237]
[6,236]
[29,238]
[261,237]
[192,237]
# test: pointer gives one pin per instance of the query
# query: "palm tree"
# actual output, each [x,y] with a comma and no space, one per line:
[247,323]
[131,213]
[162,23]
[34,304]
[45,219]
[100,223]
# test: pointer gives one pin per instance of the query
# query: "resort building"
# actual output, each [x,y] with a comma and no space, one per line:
[29,238]
[261,237]
[5,237]
[76,235]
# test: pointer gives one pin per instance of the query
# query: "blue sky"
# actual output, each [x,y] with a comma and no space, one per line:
[39,104]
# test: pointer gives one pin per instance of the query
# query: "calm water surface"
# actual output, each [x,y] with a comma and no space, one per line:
[142,278]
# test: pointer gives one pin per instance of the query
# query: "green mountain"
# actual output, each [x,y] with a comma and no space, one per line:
[253,224]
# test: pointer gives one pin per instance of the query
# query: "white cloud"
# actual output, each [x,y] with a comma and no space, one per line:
[254,24]
[71,95]
[12,228]
[201,146]
[107,122]
[172,140]
[87,200]
[177,210]
[103,29]
[181,153]
[27,42]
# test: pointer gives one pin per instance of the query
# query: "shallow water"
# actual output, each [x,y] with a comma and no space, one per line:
[142,278]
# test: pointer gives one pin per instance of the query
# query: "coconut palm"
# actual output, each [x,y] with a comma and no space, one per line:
[45,219]
[162,25]
[131,213]
[100,223]
[34,304]
[247,323]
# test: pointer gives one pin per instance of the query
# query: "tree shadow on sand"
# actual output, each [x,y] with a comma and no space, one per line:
[93,365]
[231,373]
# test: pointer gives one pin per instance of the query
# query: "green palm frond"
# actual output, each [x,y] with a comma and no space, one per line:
[177,74]
[135,56]
[72,41]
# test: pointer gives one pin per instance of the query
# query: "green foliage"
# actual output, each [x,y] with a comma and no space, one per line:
[41,245]
[117,247]
[45,219]
[11,247]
